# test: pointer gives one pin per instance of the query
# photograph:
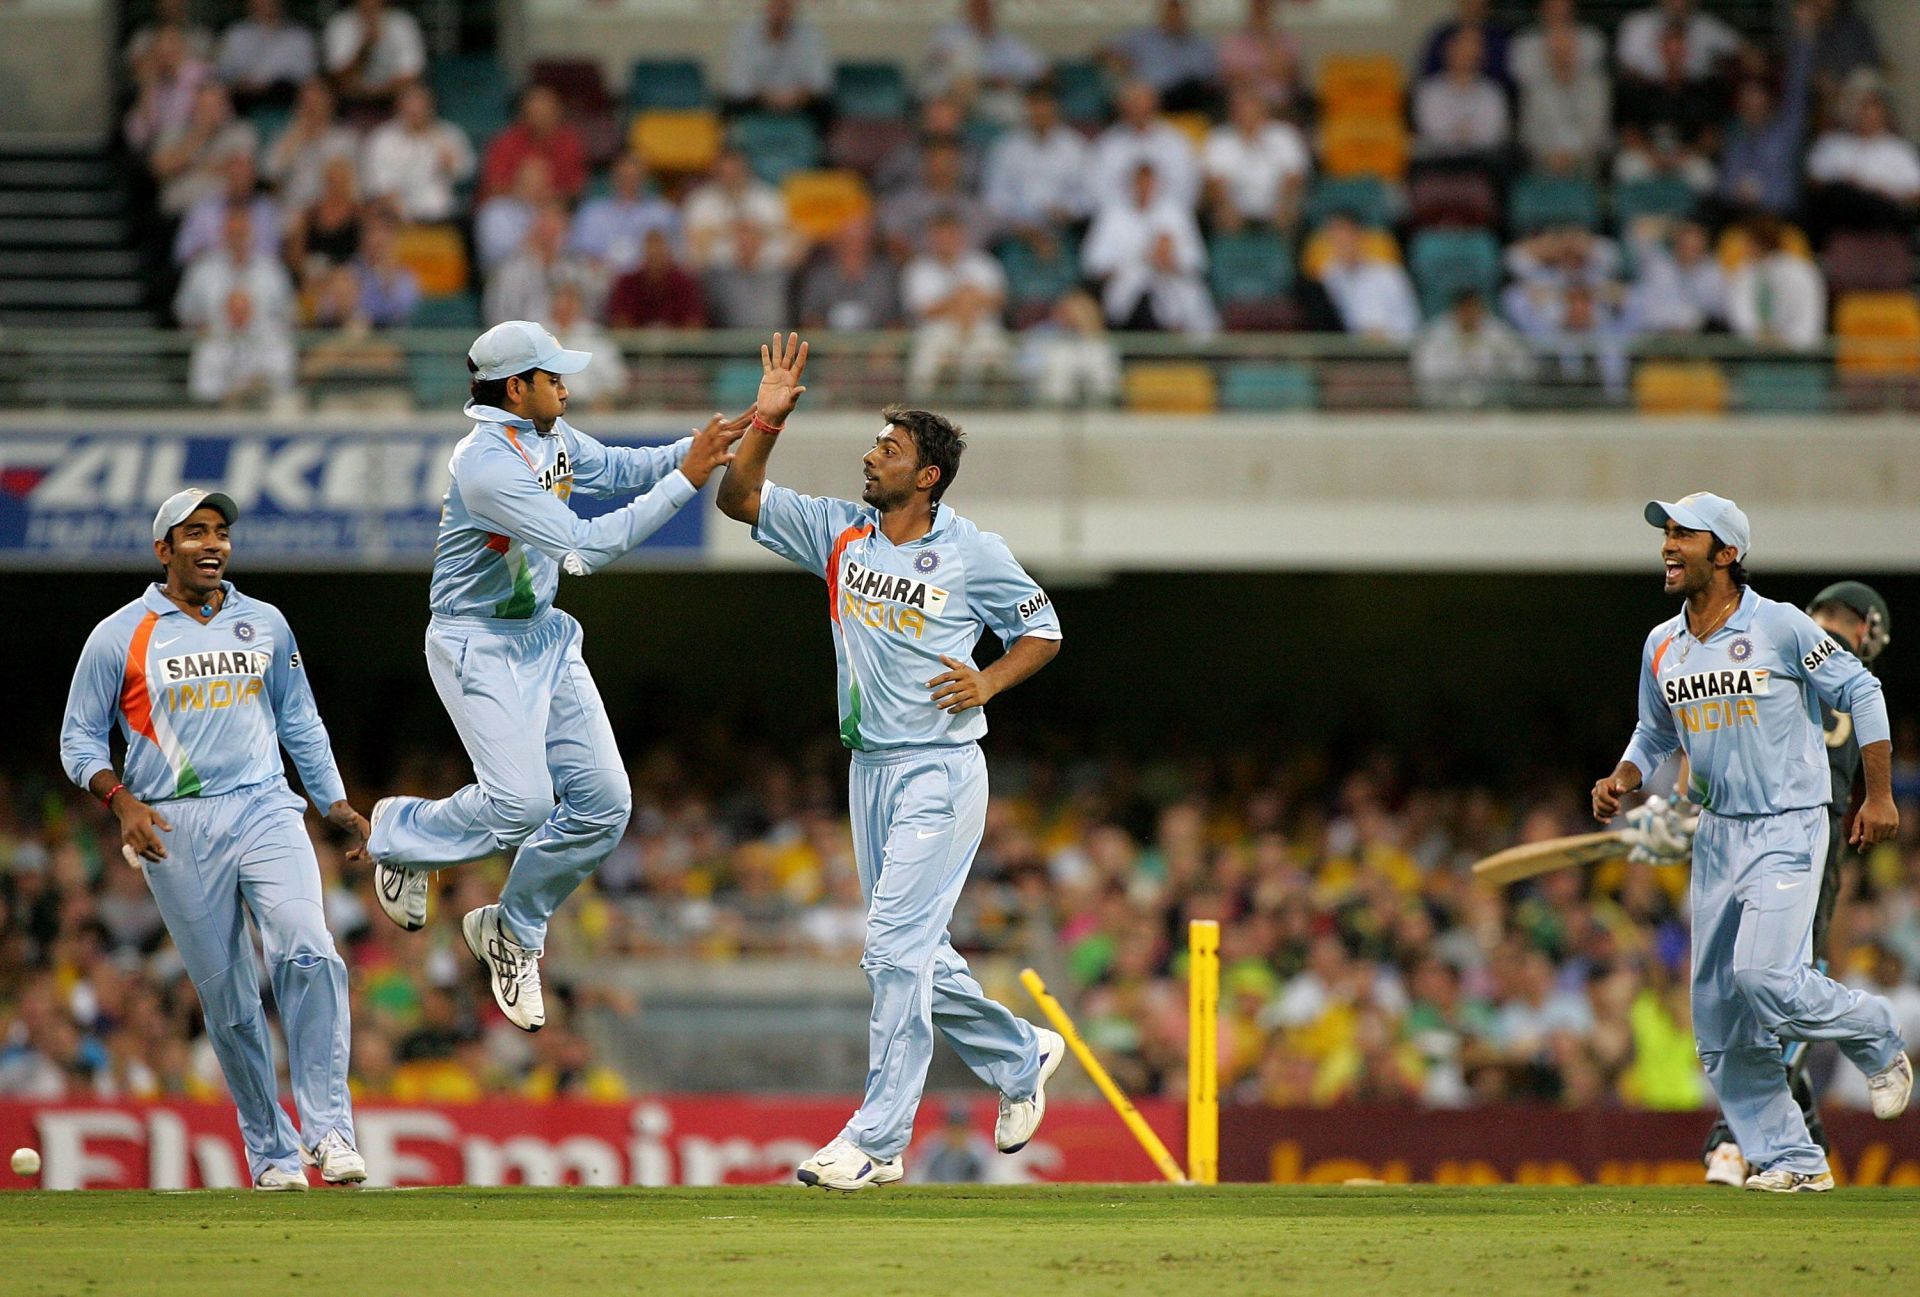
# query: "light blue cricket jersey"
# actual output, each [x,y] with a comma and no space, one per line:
[897,608]
[1745,705]
[506,530]
[204,709]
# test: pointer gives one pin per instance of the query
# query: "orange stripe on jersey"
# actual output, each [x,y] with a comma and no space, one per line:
[840,543]
[497,543]
[135,702]
[1659,653]
[514,438]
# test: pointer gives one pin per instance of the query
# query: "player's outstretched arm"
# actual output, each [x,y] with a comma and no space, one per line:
[781,367]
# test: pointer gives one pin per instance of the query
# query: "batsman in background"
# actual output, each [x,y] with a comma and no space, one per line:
[506,663]
[205,685]
[1735,681]
[910,587]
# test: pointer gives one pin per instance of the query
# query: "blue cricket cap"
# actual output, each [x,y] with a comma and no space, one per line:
[515,346]
[1705,511]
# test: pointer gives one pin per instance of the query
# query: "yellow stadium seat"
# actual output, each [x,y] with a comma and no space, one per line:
[436,256]
[1736,249]
[1363,85]
[1877,333]
[1364,146]
[676,140]
[822,203]
[1170,388]
[1680,387]
[1377,245]
[1195,126]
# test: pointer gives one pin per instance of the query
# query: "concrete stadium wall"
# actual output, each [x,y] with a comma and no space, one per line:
[56,59]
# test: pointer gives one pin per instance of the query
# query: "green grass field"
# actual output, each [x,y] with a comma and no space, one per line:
[1007,1241]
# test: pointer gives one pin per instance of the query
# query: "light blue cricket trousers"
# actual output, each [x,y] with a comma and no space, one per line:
[918,815]
[1756,881]
[520,695]
[243,852]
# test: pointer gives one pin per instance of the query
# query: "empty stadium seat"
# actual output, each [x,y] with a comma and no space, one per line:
[1661,196]
[1366,385]
[437,257]
[1267,385]
[1370,85]
[1248,266]
[1170,387]
[1082,91]
[1195,126]
[1877,333]
[1443,262]
[454,311]
[1368,199]
[1263,315]
[1867,261]
[676,139]
[438,382]
[1776,387]
[735,384]
[1032,278]
[1537,202]
[1679,387]
[1453,198]
[775,143]
[870,90]
[1364,146]
[666,83]
[577,81]
[861,145]
[822,203]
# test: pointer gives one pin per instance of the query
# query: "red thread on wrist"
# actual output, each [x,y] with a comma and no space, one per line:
[112,793]
[761,425]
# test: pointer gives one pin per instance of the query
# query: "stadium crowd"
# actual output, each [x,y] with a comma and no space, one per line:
[1514,206]
[1359,962]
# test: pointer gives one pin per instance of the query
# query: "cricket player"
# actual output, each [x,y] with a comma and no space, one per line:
[506,663]
[205,686]
[910,587]
[1736,682]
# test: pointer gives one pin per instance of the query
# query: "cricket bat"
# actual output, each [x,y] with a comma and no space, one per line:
[1532,858]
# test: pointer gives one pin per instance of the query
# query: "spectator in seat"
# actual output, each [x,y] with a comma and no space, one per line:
[190,162]
[656,291]
[522,287]
[1260,57]
[373,52]
[167,80]
[1461,112]
[850,289]
[350,352]
[612,228]
[1371,298]
[501,223]
[1583,332]
[541,131]
[1468,357]
[417,159]
[1471,16]
[327,233]
[299,154]
[1760,166]
[234,265]
[1706,42]
[1678,287]
[1527,56]
[1256,167]
[244,359]
[1565,254]
[1068,356]
[942,121]
[1146,251]
[1864,176]
[603,383]
[1676,101]
[907,215]
[779,63]
[264,58]
[1566,108]
[979,64]
[1142,136]
[747,286]
[735,196]
[1179,63]
[177,15]
[389,292]
[1844,44]
[1777,298]
[1036,174]
[953,293]
[200,228]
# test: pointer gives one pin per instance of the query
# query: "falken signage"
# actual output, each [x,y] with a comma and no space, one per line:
[316,498]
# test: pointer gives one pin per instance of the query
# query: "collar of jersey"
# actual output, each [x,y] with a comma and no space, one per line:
[158,602]
[494,414]
[940,517]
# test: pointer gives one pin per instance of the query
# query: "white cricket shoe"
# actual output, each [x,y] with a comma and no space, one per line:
[513,969]
[1019,1118]
[339,1161]
[840,1165]
[1890,1090]
[1782,1181]
[1726,1166]
[274,1180]
[402,892]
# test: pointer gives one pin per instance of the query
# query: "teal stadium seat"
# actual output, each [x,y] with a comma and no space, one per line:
[1443,262]
[776,144]
[1539,202]
[1268,385]
[666,83]
[1365,198]
[438,382]
[1775,387]
[1253,265]
[458,311]
[1662,196]
[473,94]
[873,90]
[736,383]
[1031,279]
[1082,90]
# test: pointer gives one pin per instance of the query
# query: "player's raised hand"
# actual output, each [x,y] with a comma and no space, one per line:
[1877,820]
[713,445]
[781,366]
[960,686]
[140,829]
[352,822]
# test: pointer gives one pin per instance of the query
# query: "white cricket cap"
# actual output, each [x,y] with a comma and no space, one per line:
[515,346]
[180,506]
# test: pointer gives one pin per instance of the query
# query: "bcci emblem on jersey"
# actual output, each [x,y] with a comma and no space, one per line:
[925,563]
[1740,650]
[244,632]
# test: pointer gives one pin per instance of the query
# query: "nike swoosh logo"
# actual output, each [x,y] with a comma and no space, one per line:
[934,834]
[163,643]
[1787,887]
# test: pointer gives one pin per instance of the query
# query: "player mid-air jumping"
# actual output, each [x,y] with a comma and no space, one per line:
[910,587]
[206,686]
[506,663]
[1736,682]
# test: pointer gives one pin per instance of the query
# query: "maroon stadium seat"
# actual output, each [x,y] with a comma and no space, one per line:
[859,144]
[1453,198]
[1263,315]
[1867,261]
[578,83]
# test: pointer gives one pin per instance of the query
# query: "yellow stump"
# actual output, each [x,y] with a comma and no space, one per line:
[1121,1104]
[1203,1051]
